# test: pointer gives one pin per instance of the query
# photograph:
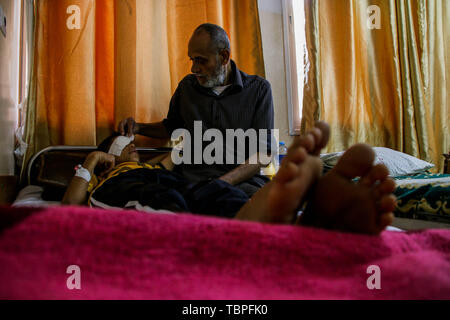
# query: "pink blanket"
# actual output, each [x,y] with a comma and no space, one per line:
[134,255]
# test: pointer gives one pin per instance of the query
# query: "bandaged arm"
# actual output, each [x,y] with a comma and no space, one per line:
[76,193]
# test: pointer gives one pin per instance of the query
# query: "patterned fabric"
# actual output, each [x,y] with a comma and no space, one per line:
[423,193]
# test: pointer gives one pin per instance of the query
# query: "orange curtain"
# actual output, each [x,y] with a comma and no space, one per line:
[388,85]
[238,17]
[125,60]
[71,98]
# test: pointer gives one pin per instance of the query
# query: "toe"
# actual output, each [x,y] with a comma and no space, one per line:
[286,173]
[387,203]
[306,141]
[386,219]
[315,140]
[385,187]
[295,155]
[355,162]
[290,165]
[378,172]
[317,134]
[325,130]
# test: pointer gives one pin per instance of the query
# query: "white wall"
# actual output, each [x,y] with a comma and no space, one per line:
[271,20]
[9,71]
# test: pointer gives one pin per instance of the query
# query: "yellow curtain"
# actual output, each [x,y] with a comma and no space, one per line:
[125,59]
[386,86]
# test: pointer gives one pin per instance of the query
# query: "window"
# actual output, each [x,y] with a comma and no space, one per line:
[295,59]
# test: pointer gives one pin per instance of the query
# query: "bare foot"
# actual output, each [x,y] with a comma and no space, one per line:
[279,200]
[341,204]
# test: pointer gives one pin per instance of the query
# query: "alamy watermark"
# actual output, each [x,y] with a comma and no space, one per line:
[259,145]
[374,19]
[73,22]
[374,281]
[73,281]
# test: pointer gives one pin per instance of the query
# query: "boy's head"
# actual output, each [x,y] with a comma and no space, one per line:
[122,147]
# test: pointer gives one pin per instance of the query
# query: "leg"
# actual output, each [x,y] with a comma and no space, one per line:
[216,198]
[251,186]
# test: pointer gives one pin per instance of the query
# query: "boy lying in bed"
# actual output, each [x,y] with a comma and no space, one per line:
[333,201]
[124,182]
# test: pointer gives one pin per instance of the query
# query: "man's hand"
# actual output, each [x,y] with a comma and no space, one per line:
[128,126]
[152,130]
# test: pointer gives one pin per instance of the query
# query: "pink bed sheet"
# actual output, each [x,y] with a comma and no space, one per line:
[135,255]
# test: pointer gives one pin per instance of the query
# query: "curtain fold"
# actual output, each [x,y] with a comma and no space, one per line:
[239,18]
[104,67]
[125,60]
[387,86]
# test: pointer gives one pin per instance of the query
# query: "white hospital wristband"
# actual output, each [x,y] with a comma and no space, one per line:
[82,173]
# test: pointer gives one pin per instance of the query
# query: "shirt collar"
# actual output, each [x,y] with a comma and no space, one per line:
[236,74]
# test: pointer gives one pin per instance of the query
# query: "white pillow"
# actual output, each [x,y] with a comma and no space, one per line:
[31,196]
[398,163]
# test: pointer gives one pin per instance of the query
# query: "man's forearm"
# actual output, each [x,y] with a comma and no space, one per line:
[240,174]
[244,172]
[153,130]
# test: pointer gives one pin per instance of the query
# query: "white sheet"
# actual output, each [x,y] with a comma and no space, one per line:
[31,196]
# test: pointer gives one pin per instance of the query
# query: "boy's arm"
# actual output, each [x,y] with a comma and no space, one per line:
[76,193]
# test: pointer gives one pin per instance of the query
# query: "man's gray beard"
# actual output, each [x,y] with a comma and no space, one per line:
[218,79]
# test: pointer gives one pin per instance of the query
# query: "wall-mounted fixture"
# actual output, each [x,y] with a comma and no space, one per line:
[2,22]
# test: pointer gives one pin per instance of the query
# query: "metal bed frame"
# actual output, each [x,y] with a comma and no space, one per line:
[82,149]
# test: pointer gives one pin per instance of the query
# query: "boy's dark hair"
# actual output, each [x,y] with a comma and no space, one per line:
[106,144]
[104,147]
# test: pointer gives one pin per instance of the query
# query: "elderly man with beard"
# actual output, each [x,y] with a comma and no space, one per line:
[222,97]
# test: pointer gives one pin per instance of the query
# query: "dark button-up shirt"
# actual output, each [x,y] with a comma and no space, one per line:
[246,104]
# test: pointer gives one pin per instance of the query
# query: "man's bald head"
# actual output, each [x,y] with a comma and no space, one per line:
[209,51]
[218,37]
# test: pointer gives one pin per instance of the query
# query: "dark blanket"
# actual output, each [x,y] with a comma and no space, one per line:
[165,190]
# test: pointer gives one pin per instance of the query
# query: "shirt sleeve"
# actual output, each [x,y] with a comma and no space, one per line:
[264,115]
[174,120]
[93,183]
